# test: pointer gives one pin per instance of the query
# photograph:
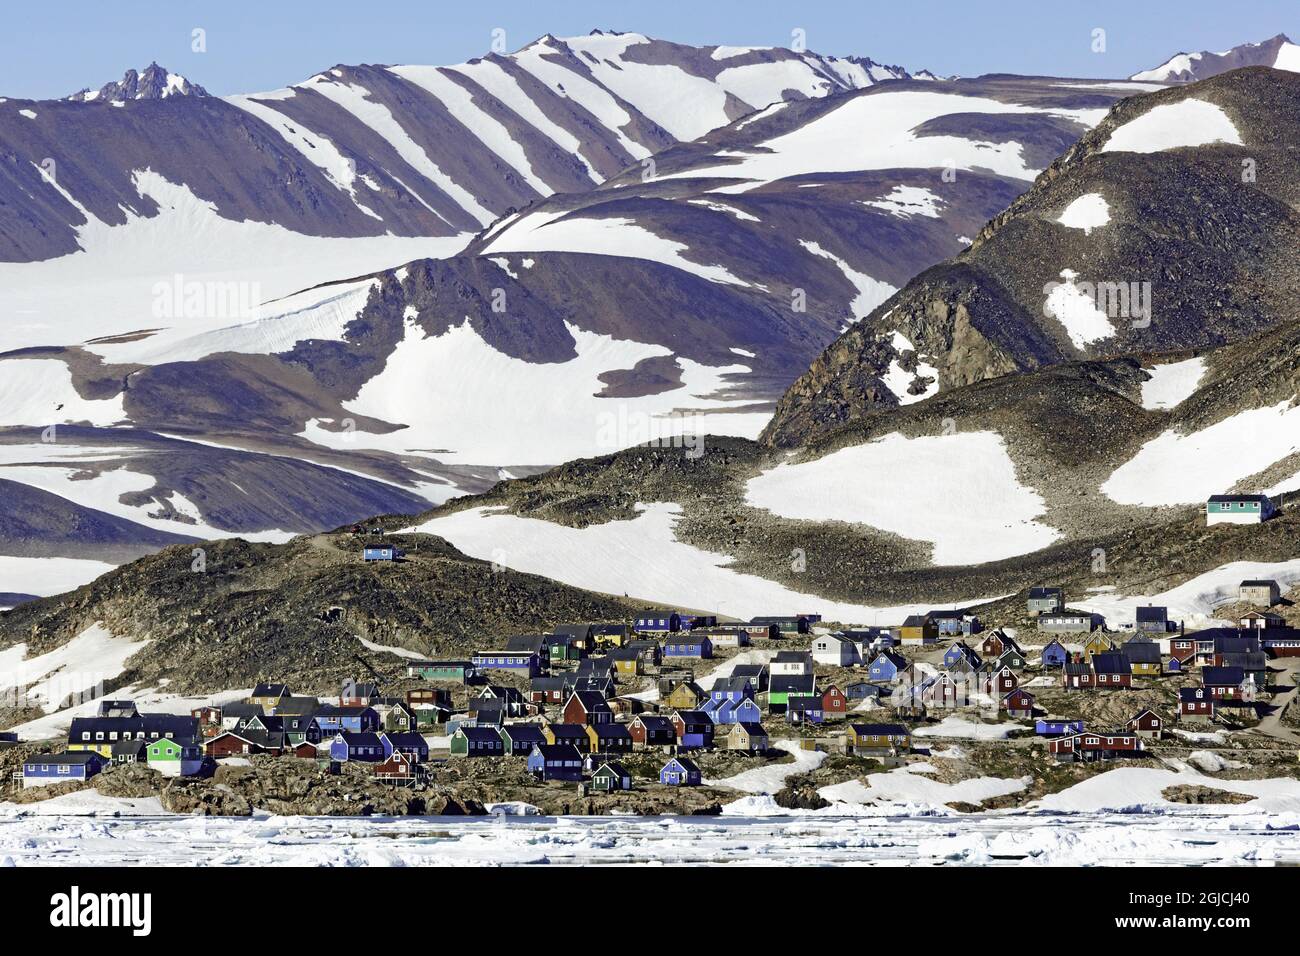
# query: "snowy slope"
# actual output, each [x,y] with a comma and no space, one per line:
[1278,52]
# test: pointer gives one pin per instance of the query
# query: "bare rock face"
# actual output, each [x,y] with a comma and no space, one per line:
[1197,251]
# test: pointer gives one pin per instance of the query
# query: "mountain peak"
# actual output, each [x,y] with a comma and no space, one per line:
[154,82]
[1278,52]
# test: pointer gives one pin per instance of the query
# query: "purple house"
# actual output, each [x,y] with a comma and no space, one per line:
[680,772]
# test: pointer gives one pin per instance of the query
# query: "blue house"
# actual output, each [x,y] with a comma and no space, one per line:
[955,623]
[861,690]
[526,662]
[356,719]
[658,620]
[887,666]
[54,768]
[954,655]
[1055,654]
[1057,728]
[734,689]
[555,762]
[680,772]
[367,748]
[743,711]
[382,552]
[688,646]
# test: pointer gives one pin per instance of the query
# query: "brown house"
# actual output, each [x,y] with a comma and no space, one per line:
[652,730]
[587,707]
[1147,723]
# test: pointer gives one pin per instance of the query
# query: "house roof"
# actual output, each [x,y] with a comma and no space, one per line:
[1235,498]
[71,757]
[1044,592]
[611,768]
[1193,693]
[879,730]
[612,731]
[1260,583]
[591,701]
[482,734]
[1152,614]
[792,657]
[573,731]
[522,732]
[1111,662]
[1222,676]
[753,730]
[654,721]
[694,717]
[270,690]
[788,683]
[551,752]
[686,763]
[580,631]
[1141,652]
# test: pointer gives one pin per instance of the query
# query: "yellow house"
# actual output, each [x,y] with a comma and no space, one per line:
[685,696]
[1097,643]
[627,662]
[268,696]
[868,737]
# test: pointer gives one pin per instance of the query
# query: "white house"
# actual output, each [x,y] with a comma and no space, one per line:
[790,663]
[835,650]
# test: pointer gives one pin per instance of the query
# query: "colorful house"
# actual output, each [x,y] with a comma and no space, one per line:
[658,620]
[689,645]
[526,662]
[1054,654]
[520,739]
[749,737]
[587,707]
[174,758]
[45,769]
[1057,728]
[1238,509]
[685,695]
[357,719]
[609,738]
[1143,657]
[680,772]
[477,742]
[804,709]
[609,777]
[1146,723]
[652,730]
[781,687]
[694,729]
[918,629]
[575,735]
[1018,703]
[878,739]
[555,762]
[461,672]
[887,667]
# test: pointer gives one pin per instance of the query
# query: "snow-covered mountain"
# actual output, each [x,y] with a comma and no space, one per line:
[1278,52]
[679,292]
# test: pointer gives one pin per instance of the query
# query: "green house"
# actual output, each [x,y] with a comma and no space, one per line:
[461,671]
[174,758]
[1238,509]
[610,777]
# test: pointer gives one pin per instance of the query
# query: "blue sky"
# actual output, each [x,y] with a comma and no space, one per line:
[52,49]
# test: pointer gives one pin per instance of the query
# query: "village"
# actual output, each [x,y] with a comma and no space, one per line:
[657,701]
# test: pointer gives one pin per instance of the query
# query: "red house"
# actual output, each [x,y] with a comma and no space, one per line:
[1195,703]
[1019,703]
[397,768]
[1095,746]
[231,743]
[834,703]
[1146,723]
[652,730]
[1000,682]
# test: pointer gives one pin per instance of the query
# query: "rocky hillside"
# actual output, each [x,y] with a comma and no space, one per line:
[1172,225]
[297,612]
